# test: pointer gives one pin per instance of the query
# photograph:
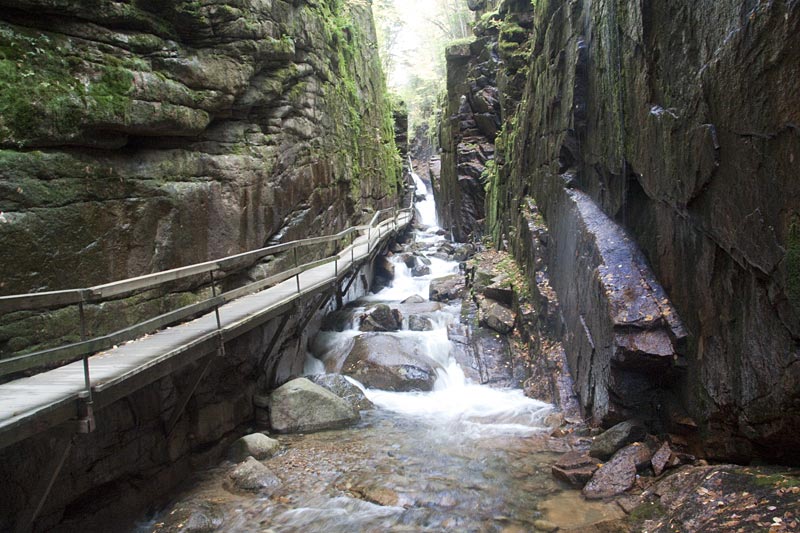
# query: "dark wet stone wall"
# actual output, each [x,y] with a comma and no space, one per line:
[678,123]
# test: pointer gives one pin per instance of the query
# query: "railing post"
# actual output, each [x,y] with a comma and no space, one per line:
[369,238]
[221,344]
[296,265]
[352,248]
[87,411]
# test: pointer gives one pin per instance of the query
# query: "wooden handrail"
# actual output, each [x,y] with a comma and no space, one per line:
[98,293]
[79,350]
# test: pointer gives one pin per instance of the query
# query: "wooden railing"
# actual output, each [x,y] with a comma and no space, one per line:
[99,293]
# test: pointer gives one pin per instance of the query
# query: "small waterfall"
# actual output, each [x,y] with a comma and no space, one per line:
[467,408]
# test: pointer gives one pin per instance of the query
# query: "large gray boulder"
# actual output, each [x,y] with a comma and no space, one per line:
[257,445]
[390,363]
[338,384]
[301,406]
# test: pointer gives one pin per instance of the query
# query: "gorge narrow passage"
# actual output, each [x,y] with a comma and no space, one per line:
[461,457]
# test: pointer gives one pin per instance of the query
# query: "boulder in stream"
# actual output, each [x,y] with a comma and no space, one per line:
[447,288]
[252,476]
[301,406]
[420,323]
[338,384]
[381,318]
[421,270]
[575,468]
[391,363]
[257,445]
[414,299]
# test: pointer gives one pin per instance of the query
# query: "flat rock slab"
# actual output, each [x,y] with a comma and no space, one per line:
[726,498]
[614,477]
[661,459]
[575,468]
[301,406]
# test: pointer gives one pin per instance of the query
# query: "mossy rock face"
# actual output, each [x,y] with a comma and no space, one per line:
[150,136]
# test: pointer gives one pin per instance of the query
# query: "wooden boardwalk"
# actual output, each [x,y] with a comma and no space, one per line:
[33,404]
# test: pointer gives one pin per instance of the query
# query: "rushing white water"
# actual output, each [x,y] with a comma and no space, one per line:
[462,457]
[467,408]
[427,207]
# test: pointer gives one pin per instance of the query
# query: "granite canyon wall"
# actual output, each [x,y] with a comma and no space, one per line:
[650,150]
[140,136]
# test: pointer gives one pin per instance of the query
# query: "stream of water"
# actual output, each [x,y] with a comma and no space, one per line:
[463,457]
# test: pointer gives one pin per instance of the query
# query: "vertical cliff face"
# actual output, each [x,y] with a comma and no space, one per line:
[654,145]
[138,136]
[470,123]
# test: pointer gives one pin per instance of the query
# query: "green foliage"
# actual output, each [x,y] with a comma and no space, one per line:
[46,90]
[369,148]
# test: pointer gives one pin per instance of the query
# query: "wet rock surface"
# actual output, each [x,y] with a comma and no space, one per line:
[613,478]
[675,292]
[447,288]
[575,468]
[611,440]
[301,406]
[496,316]
[256,445]
[192,517]
[381,318]
[337,384]
[252,476]
[390,363]
[142,138]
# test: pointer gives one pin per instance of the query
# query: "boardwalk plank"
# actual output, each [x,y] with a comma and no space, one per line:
[29,405]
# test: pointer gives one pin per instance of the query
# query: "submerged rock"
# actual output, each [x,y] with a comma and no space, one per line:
[256,445]
[415,299]
[390,363]
[253,476]
[338,384]
[192,517]
[301,406]
[575,468]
